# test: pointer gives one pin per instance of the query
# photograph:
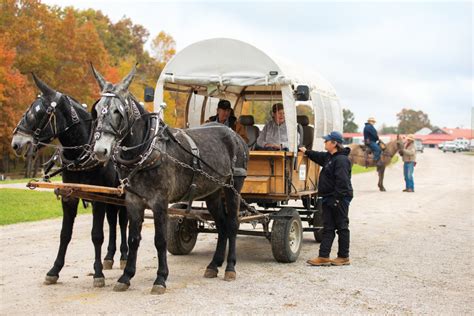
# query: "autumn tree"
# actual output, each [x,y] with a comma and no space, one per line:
[15,94]
[411,121]
[58,43]
[349,126]
[163,47]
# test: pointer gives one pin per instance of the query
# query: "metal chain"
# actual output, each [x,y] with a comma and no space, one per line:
[250,208]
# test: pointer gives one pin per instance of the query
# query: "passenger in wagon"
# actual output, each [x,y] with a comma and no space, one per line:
[274,135]
[225,116]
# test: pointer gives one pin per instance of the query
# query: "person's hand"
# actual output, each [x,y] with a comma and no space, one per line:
[302,149]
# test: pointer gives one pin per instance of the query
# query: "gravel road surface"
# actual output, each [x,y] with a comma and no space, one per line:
[412,253]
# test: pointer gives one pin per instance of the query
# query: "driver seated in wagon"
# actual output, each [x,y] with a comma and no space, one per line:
[274,135]
[225,116]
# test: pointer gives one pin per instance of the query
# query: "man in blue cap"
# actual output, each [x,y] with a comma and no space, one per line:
[335,188]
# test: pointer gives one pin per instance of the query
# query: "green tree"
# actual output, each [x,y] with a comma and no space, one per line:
[411,121]
[388,129]
[349,126]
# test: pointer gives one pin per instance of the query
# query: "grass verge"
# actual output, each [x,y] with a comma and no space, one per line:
[26,180]
[19,205]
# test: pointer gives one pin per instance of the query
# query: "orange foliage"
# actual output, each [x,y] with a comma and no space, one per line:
[15,95]
[58,44]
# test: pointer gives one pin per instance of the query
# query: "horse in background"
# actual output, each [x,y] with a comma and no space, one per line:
[360,156]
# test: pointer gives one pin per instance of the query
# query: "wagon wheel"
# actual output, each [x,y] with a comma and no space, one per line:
[287,235]
[181,233]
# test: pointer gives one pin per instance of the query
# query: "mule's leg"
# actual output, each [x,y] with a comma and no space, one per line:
[135,213]
[97,234]
[123,222]
[217,210]
[233,207]
[111,212]
[160,217]
[69,214]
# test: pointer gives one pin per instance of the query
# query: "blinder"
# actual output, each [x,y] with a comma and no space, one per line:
[48,119]
[128,110]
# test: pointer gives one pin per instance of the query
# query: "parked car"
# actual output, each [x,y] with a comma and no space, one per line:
[419,145]
[463,143]
[451,146]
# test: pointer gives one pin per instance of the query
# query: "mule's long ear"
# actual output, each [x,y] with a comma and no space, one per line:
[44,88]
[128,79]
[100,80]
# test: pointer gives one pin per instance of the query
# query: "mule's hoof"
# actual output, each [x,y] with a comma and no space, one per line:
[210,273]
[99,282]
[50,279]
[230,276]
[123,263]
[121,287]
[158,289]
[108,264]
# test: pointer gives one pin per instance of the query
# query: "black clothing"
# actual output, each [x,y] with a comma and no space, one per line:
[335,177]
[232,120]
[335,188]
[335,217]
[370,133]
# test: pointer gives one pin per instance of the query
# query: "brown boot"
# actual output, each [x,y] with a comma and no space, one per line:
[340,261]
[405,190]
[319,261]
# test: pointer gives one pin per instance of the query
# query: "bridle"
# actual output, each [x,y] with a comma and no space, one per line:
[127,109]
[48,120]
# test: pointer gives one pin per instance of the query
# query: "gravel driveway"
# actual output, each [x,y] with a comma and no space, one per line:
[411,253]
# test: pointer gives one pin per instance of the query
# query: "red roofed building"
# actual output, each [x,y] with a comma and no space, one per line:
[436,137]
[466,133]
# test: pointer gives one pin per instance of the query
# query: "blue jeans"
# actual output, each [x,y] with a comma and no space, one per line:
[376,150]
[408,168]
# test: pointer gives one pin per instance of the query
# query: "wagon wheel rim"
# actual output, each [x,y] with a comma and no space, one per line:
[186,233]
[294,237]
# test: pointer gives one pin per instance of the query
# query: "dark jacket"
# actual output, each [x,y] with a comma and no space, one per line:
[335,177]
[234,125]
[370,133]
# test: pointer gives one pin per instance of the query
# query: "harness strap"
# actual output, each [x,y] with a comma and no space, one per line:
[194,149]
[196,166]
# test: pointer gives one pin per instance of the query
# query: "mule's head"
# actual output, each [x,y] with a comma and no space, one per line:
[115,112]
[37,124]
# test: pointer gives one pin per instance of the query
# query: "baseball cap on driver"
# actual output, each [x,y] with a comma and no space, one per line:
[335,136]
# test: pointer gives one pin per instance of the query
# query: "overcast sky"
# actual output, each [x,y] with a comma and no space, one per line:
[380,57]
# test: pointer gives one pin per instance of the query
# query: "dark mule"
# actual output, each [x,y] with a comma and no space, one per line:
[55,115]
[156,164]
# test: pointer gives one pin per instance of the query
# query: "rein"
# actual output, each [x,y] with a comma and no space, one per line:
[86,159]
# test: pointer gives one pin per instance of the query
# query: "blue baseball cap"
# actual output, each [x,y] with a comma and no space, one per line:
[335,136]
